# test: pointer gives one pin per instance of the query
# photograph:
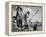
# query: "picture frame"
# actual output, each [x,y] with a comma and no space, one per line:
[9,13]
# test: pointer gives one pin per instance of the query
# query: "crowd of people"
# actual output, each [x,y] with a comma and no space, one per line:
[22,21]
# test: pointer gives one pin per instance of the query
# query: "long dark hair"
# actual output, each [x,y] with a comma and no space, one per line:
[18,8]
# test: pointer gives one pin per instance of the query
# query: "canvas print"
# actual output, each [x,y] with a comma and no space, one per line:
[26,18]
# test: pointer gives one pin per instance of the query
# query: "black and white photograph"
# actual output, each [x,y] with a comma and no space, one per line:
[26,18]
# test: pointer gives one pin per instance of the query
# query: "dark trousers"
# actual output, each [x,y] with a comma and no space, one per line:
[35,27]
